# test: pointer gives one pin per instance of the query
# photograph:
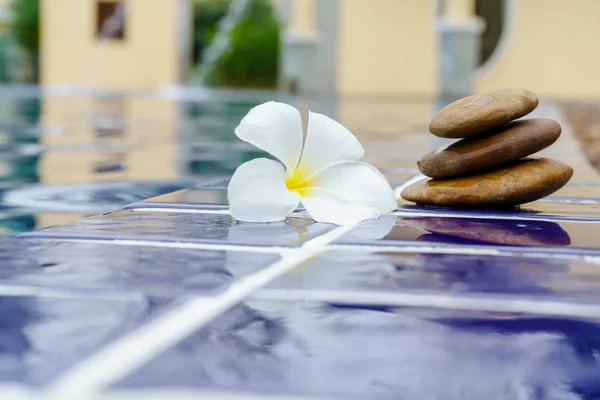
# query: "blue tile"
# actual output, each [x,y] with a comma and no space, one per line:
[192,199]
[499,234]
[186,227]
[83,267]
[42,337]
[534,278]
[537,210]
[313,349]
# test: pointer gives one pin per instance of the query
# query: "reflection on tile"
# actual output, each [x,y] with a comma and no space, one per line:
[156,270]
[42,337]
[191,199]
[501,234]
[532,277]
[576,192]
[534,210]
[186,227]
[312,349]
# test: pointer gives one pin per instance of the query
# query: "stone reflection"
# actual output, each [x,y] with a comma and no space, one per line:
[490,231]
[316,350]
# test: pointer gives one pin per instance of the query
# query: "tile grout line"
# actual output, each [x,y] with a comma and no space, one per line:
[28,290]
[116,360]
[399,189]
[436,300]
[516,217]
[222,211]
[175,245]
[464,251]
[186,394]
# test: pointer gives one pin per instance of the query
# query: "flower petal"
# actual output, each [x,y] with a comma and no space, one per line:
[275,128]
[324,206]
[327,142]
[257,192]
[357,182]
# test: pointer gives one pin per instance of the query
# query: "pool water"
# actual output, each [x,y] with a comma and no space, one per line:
[64,157]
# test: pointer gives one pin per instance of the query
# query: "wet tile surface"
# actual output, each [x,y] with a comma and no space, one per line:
[186,227]
[42,337]
[83,267]
[532,278]
[91,293]
[539,210]
[285,348]
[500,234]
[192,199]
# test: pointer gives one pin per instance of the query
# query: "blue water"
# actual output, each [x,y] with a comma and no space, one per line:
[67,157]
[64,156]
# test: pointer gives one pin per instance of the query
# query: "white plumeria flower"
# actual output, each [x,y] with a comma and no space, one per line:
[325,175]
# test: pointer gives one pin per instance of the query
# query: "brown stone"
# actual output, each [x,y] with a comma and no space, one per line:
[482,112]
[494,148]
[505,232]
[520,182]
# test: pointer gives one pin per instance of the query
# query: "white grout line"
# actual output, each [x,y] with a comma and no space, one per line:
[65,293]
[183,394]
[516,216]
[409,182]
[224,211]
[416,249]
[16,392]
[436,300]
[175,245]
[466,251]
[125,355]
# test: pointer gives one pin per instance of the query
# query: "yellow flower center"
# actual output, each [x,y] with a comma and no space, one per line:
[298,182]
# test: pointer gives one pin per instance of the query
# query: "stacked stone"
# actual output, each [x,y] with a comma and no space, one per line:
[490,166]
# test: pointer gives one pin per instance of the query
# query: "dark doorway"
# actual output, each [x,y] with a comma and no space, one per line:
[492,11]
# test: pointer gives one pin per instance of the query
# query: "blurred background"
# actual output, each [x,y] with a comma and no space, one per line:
[104,102]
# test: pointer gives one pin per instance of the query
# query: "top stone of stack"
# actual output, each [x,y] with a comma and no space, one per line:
[482,112]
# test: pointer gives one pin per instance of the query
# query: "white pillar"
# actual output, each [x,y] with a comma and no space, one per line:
[459,32]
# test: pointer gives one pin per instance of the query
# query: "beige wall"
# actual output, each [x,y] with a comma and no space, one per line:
[302,17]
[551,49]
[387,47]
[72,55]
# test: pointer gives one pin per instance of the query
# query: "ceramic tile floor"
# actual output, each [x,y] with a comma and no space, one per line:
[172,298]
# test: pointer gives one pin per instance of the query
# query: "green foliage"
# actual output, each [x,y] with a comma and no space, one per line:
[25,24]
[207,14]
[252,59]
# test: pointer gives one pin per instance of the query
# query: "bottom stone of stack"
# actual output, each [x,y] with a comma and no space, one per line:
[523,181]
